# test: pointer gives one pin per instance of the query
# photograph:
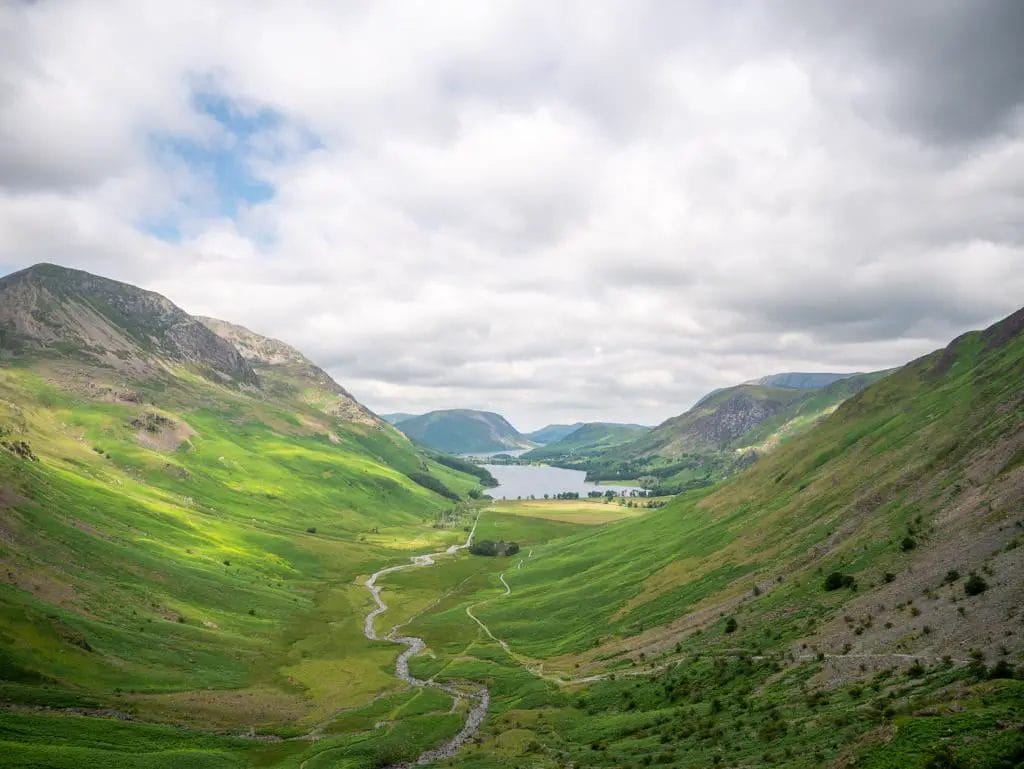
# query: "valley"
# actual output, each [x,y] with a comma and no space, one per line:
[214,556]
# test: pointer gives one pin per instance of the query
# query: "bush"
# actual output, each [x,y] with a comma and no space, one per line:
[836,580]
[730,625]
[311,530]
[975,584]
[916,670]
[1002,669]
[908,543]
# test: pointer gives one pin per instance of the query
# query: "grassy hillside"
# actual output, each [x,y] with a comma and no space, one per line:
[706,633]
[178,547]
[552,433]
[587,440]
[724,432]
[462,431]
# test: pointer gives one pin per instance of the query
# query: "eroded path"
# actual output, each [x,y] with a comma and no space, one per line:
[478,696]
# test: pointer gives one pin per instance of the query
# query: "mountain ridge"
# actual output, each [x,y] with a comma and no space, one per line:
[58,310]
[463,431]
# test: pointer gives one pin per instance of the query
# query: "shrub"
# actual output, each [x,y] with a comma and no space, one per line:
[975,584]
[951,576]
[1002,669]
[908,543]
[916,670]
[836,580]
[311,530]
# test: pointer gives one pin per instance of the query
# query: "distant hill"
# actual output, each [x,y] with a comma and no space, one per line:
[552,433]
[724,431]
[463,431]
[396,417]
[801,380]
[587,440]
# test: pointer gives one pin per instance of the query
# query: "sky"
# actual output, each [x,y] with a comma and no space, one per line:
[560,211]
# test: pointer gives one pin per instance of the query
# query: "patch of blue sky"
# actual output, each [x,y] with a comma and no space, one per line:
[225,163]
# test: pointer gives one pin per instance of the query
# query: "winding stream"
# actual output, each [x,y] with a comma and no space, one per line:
[479,697]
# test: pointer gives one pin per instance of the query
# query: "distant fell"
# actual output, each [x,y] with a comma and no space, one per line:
[462,431]
[396,417]
[800,380]
[552,433]
[588,439]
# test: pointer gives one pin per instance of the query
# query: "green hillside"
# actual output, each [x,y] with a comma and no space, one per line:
[707,630]
[552,433]
[178,546]
[587,440]
[724,432]
[463,431]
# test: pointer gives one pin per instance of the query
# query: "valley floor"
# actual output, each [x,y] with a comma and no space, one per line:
[708,699]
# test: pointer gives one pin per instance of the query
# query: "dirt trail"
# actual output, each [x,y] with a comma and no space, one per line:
[479,696]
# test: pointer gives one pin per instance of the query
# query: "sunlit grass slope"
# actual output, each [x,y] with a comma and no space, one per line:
[199,567]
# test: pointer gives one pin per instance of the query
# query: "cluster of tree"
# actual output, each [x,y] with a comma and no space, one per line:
[427,481]
[490,547]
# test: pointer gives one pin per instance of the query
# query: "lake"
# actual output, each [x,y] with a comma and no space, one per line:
[523,480]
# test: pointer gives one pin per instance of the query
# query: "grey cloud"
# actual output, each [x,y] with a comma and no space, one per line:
[949,71]
[600,212]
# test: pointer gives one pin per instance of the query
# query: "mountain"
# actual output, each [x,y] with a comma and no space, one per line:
[723,432]
[64,312]
[463,431]
[286,372]
[184,507]
[552,433]
[587,440]
[800,380]
[396,417]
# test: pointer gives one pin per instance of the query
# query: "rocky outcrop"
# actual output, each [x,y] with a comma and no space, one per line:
[278,362]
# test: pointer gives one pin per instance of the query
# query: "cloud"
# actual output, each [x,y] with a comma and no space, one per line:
[555,211]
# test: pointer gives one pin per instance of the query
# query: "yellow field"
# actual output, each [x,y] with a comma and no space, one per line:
[585,511]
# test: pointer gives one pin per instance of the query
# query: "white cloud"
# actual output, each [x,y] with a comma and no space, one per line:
[559,212]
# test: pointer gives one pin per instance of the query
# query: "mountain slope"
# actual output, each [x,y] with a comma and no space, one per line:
[853,599]
[462,431]
[723,432]
[587,440]
[800,380]
[552,433]
[177,545]
[61,311]
[288,373]
[396,417]
[934,452]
